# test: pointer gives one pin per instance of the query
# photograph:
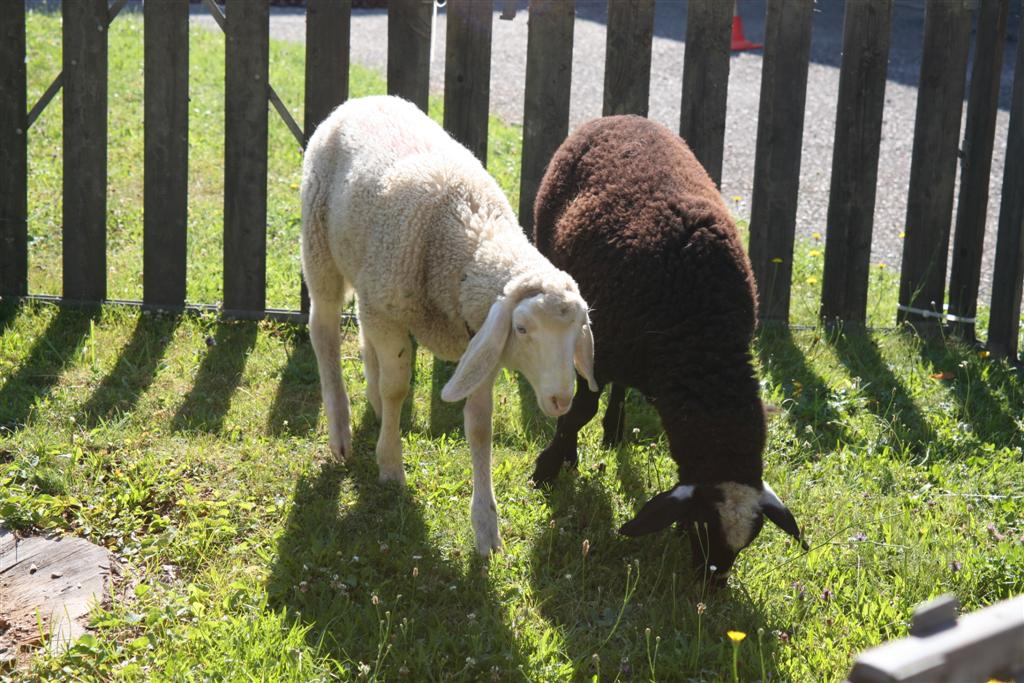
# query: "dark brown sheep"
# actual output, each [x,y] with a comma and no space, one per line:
[630,213]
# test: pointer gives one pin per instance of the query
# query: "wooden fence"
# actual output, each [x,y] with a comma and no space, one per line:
[630,23]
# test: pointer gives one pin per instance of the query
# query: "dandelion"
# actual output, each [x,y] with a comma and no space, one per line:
[814,253]
[586,547]
[736,637]
[375,600]
[415,572]
[736,198]
[903,234]
[812,280]
[882,266]
[701,607]
[816,235]
[983,354]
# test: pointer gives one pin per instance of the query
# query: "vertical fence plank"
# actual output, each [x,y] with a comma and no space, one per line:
[13,153]
[780,127]
[409,50]
[548,83]
[706,82]
[328,31]
[627,66]
[247,56]
[85,150]
[851,206]
[1008,274]
[947,30]
[467,73]
[982,105]
[165,185]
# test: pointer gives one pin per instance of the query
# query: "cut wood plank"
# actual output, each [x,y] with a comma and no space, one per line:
[548,82]
[409,50]
[982,105]
[627,66]
[13,153]
[52,579]
[780,125]
[940,94]
[467,73]
[851,204]
[706,82]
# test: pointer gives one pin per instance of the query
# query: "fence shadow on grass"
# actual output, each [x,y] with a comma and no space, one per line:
[584,594]
[331,562]
[51,353]
[296,406]
[859,352]
[134,371]
[808,395]
[218,377]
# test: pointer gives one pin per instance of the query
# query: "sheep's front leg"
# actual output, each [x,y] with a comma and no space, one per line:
[563,447]
[484,508]
[325,334]
[393,352]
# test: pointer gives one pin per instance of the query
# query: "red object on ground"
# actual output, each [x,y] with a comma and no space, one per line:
[739,41]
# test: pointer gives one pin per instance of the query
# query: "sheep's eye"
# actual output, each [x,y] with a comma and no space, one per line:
[520,329]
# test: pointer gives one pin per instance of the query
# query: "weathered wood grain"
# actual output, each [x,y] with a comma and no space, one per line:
[409,50]
[13,153]
[627,67]
[467,73]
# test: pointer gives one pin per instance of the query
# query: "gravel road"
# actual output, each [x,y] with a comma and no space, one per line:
[508,69]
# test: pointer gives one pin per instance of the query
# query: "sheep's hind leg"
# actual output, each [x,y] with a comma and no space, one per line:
[614,417]
[325,334]
[393,350]
[563,447]
[484,508]
[371,370]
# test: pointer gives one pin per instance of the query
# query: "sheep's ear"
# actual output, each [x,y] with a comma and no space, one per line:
[659,512]
[583,356]
[775,510]
[483,354]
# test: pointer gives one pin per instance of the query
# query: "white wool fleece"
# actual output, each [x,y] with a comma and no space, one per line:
[415,223]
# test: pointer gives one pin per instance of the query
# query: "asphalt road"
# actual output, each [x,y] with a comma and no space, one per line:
[508,73]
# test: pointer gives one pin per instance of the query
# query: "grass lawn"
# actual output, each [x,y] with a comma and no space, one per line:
[197,452]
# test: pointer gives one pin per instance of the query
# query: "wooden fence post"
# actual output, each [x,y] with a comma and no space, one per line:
[706,82]
[548,84]
[85,150]
[940,94]
[409,50]
[851,206]
[969,237]
[13,153]
[247,56]
[467,73]
[328,31]
[1008,273]
[165,183]
[780,126]
[627,66]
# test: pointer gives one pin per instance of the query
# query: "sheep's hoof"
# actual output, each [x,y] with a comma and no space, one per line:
[395,474]
[340,450]
[488,543]
[549,464]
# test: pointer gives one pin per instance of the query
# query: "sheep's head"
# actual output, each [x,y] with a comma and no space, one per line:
[719,519]
[544,332]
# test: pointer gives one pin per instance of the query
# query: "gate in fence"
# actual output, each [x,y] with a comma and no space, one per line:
[866,38]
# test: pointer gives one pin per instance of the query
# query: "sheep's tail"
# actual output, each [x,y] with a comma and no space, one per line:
[318,267]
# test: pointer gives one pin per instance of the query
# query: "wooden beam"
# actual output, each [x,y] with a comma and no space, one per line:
[706,82]
[165,184]
[85,149]
[780,126]
[467,73]
[13,153]
[1008,273]
[971,213]
[627,66]
[940,94]
[851,206]
[409,50]
[247,55]
[548,85]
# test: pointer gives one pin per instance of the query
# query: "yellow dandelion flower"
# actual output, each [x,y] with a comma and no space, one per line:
[812,280]
[816,235]
[984,354]
[736,636]
[882,266]
[737,198]
[903,234]
[814,253]
[776,260]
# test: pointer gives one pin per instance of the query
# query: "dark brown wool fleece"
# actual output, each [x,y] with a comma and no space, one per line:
[630,213]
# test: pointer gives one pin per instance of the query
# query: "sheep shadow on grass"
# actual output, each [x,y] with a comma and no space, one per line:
[370,582]
[604,591]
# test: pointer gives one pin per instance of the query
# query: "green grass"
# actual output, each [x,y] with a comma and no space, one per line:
[197,452]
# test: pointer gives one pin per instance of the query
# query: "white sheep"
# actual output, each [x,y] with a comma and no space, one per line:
[396,210]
